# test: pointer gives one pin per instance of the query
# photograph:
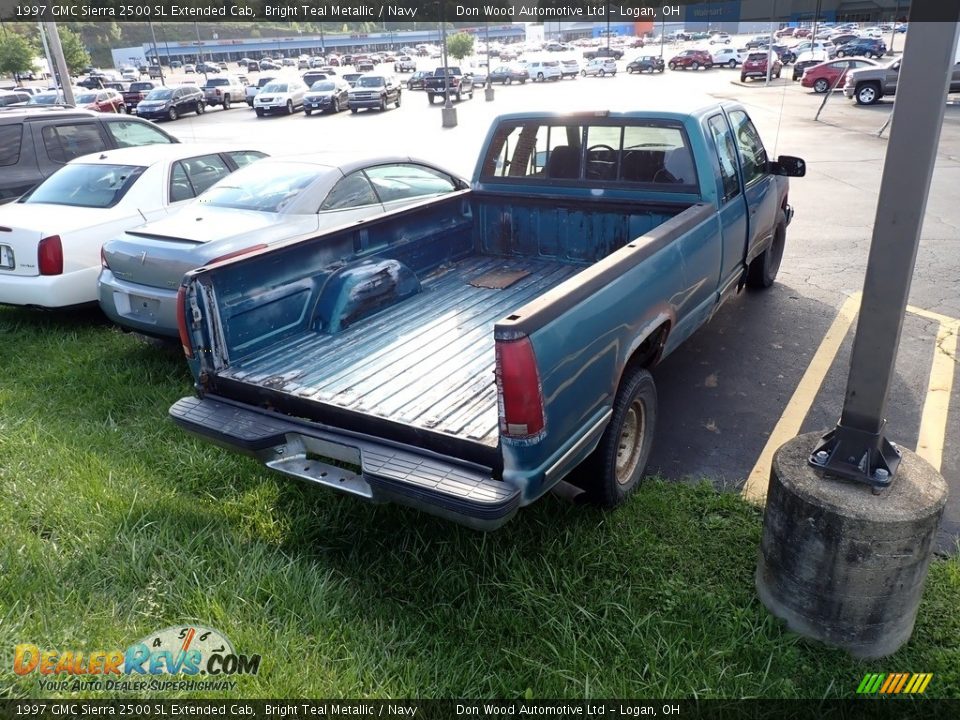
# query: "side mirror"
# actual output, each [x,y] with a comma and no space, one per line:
[788,166]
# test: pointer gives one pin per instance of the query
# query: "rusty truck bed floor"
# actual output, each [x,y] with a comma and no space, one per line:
[427,361]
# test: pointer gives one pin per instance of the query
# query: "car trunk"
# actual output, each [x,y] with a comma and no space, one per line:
[24,225]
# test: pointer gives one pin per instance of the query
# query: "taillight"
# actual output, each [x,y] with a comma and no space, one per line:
[518,388]
[237,253]
[50,256]
[182,322]
[103,259]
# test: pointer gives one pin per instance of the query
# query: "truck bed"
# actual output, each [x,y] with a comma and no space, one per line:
[427,361]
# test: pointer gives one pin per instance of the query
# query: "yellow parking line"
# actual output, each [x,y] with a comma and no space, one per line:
[755,489]
[936,406]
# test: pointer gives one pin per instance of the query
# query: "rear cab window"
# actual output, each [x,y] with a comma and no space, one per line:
[654,154]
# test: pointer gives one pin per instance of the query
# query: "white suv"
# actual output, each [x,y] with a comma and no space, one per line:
[541,70]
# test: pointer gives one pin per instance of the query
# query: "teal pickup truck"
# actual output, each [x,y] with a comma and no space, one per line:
[464,354]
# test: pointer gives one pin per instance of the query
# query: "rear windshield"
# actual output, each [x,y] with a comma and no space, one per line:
[140,86]
[92,186]
[655,153]
[217,82]
[371,82]
[263,187]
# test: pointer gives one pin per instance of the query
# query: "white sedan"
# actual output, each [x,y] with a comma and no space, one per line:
[52,237]
[284,96]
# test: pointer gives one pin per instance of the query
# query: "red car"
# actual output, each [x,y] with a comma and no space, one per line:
[101,100]
[756,66]
[831,74]
[693,59]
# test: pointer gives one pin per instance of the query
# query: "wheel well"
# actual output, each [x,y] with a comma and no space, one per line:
[648,352]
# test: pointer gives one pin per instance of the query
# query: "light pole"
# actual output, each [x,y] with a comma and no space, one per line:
[488,90]
[156,53]
[449,112]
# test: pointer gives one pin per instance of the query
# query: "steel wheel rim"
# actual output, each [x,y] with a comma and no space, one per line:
[631,441]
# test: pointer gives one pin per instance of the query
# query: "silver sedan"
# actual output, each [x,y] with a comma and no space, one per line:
[270,201]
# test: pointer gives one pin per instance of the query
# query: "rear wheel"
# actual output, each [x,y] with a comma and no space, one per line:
[821,85]
[694,65]
[583,73]
[743,78]
[732,64]
[672,66]
[226,102]
[614,470]
[539,77]
[601,73]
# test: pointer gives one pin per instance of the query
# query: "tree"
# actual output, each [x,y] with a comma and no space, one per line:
[16,55]
[460,45]
[74,51]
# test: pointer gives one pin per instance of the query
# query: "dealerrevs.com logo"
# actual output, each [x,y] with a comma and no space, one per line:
[190,651]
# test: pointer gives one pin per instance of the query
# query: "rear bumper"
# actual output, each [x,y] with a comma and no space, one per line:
[379,470]
[149,310]
[49,291]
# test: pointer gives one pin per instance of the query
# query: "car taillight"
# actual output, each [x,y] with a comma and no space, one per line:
[237,253]
[50,256]
[103,259]
[182,322]
[518,389]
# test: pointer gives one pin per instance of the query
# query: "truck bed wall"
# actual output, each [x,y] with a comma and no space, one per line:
[268,297]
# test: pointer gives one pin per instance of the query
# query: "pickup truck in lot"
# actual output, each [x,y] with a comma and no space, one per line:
[465,354]
[457,84]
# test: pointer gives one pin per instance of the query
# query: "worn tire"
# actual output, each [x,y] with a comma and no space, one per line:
[762,272]
[614,470]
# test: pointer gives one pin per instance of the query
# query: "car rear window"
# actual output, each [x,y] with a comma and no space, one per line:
[217,82]
[92,186]
[10,137]
[262,187]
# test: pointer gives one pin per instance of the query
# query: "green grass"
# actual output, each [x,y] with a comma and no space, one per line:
[116,524]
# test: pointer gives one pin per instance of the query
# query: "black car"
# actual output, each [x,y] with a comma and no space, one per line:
[506,74]
[326,96]
[646,63]
[169,103]
[785,54]
[415,81]
[603,52]
[864,47]
[36,141]
[313,76]
[801,67]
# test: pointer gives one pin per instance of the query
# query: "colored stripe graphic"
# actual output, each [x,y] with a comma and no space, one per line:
[894,683]
[926,681]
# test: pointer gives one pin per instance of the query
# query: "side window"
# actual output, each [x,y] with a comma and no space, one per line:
[354,190]
[752,153]
[404,181]
[10,137]
[204,171]
[66,142]
[727,155]
[126,133]
[180,187]
[245,157]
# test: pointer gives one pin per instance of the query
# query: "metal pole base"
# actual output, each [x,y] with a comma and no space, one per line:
[488,94]
[857,455]
[449,117]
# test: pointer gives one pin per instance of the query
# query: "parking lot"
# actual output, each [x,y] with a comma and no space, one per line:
[729,387]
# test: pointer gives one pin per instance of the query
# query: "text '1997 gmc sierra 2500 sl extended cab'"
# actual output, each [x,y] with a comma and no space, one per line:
[464,354]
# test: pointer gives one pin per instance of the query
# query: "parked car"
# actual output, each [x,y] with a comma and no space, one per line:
[720,38]
[351,78]
[727,56]
[51,250]
[569,68]
[692,59]
[452,80]
[415,81]
[104,100]
[758,41]
[755,65]
[137,92]
[10,98]
[53,97]
[253,66]
[405,64]
[170,103]
[839,39]
[309,78]
[281,95]
[207,68]
[326,95]
[250,92]
[600,67]
[542,70]
[258,206]
[832,74]
[507,74]
[37,141]
[603,52]
[189,68]
[269,65]
[223,91]
[646,63]
[863,47]
[806,60]
[868,85]
[374,91]
[440,358]
[785,54]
